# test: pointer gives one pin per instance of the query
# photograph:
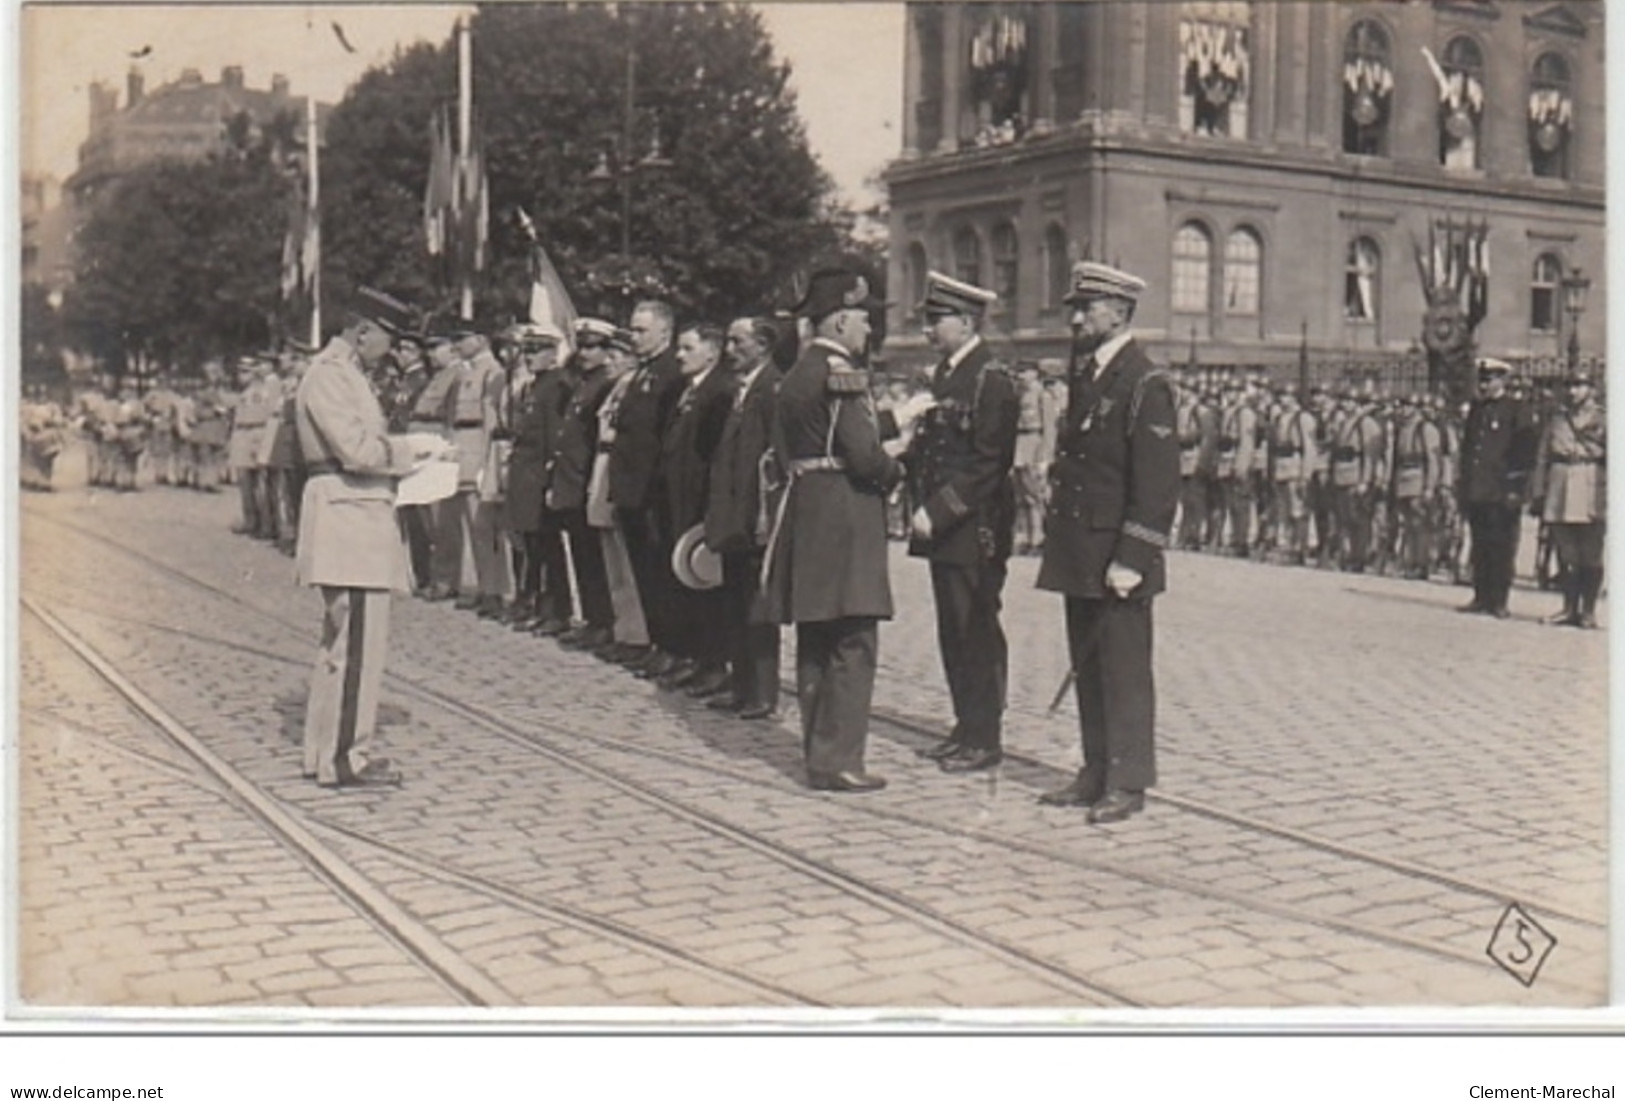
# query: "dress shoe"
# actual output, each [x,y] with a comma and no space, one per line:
[1081,792]
[1566,618]
[1473,607]
[756,711]
[1501,613]
[711,680]
[658,665]
[680,675]
[550,628]
[1116,806]
[438,593]
[1586,622]
[943,749]
[585,637]
[466,603]
[971,759]
[633,657]
[844,781]
[724,701]
[491,608]
[377,772]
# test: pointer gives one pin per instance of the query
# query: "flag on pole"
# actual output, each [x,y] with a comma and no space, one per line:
[473,208]
[550,305]
[438,192]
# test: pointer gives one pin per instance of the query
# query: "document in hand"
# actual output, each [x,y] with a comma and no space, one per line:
[433,481]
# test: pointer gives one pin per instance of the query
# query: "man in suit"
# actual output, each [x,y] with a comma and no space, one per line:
[959,472]
[826,556]
[731,520]
[349,544]
[1115,489]
[1497,455]
[640,422]
[686,449]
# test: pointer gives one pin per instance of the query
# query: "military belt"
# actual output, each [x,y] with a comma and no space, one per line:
[468,424]
[323,466]
[813,466]
[1576,461]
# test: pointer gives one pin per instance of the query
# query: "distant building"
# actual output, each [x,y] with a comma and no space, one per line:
[45,232]
[1266,166]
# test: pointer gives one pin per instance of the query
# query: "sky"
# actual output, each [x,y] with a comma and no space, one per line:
[847,61]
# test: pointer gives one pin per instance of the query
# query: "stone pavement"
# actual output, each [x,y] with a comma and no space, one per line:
[1356,709]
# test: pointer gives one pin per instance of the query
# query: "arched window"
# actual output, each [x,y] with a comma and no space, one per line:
[1243,273]
[1545,285]
[968,256]
[1551,116]
[1006,270]
[915,267]
[1461,103]
[1215,67]
[1368,89]
[1057,268]
[1193,258]
[1362,280]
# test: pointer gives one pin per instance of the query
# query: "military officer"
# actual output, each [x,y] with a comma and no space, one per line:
[732,520]
[574,452]
[349,544]
[826,555]
[476,395]
[641,417]
[959,475]
[1497,454]
[1569,494]
[533,402]
[1114,491]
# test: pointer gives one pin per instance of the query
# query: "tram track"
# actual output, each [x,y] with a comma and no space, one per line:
[1056,976]
[527,737]
[916,729]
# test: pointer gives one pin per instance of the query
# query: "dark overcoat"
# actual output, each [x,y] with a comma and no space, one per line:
[575,444]
[1114,485]
[734,506]
[959,462]
[639,425]
[689,443]
[827,556]
[1497,450]
[529,425]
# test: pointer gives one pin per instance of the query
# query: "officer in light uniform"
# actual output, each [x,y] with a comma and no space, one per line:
[349,544]
[959,468]
[1113,494]
[1569,493]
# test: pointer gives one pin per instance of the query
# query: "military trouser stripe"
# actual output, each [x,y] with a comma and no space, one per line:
[355,656]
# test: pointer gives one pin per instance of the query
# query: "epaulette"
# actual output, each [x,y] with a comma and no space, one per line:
[846,379]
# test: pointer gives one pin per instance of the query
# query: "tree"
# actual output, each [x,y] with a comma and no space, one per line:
[742,204]
[178,263]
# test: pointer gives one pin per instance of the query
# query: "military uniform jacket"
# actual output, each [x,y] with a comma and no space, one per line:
[827,553]
[959,462]
[475,395]
[734,507]
[1114,485]
[1571,467]
[1236,451]
[529,426]
[1292,446]
[254,409]
[1418,455]
[1497,450]
[347,532]
[689,443]
[1359,453]
[640,423]
[575,444]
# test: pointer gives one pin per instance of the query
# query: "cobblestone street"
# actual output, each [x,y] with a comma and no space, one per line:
[1355,782]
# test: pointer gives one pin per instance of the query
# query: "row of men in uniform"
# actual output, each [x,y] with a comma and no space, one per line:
[717,498]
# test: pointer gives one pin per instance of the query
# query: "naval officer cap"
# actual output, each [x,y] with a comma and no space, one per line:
[1091,280]
[945,296]
[838,288]
[1489,367]
[384,310]
[594,332]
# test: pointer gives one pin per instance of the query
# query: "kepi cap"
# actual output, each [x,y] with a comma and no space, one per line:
[385,310]
[832,289]
[1095,280]
[945,295]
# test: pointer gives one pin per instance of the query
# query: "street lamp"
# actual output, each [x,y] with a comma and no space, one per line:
[1575,289]
[622,144]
